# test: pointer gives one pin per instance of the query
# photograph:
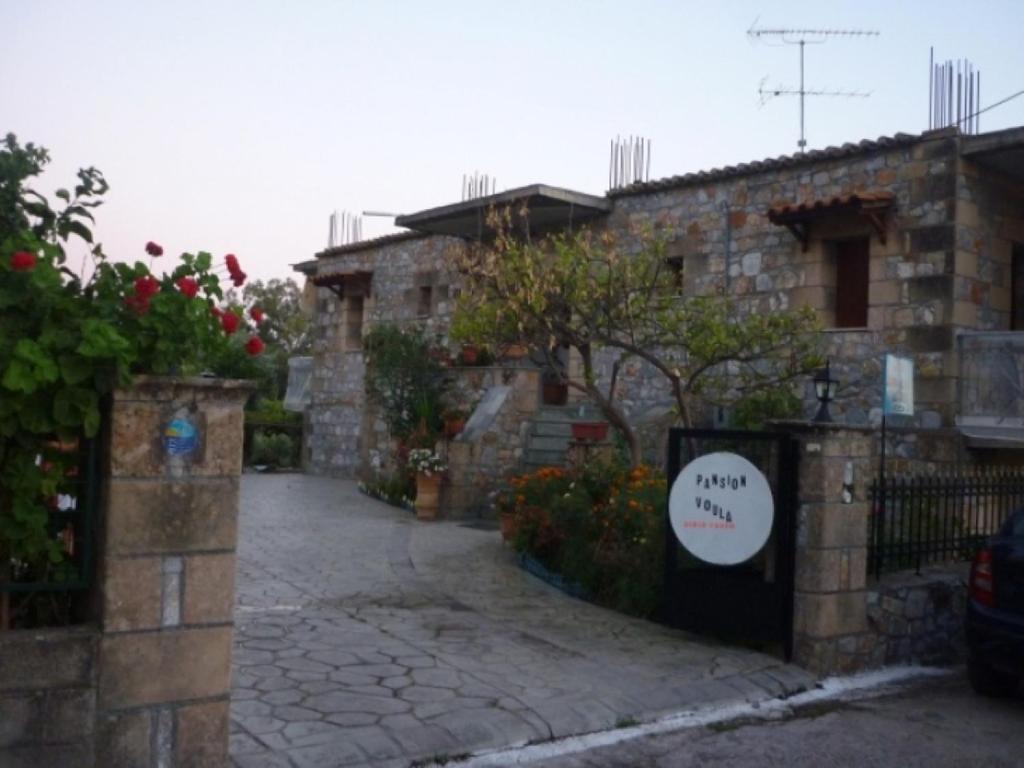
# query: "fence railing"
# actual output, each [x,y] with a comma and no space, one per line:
[924,520]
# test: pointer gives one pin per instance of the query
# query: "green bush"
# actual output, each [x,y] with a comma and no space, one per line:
[273,450]
[602,529]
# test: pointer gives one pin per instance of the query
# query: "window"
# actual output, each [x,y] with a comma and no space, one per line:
[425,302]
[354,322]
[1017,288]
[851,283]
[675,266]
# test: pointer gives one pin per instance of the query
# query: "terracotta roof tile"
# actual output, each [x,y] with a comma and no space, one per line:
[855,199]
[769,164]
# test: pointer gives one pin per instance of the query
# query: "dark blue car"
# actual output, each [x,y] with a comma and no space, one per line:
[995,612]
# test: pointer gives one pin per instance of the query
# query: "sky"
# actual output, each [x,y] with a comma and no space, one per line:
[240,126]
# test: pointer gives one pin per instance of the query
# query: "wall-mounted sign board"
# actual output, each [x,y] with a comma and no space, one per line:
[721,508]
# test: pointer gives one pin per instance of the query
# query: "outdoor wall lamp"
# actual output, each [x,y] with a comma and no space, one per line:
[825,390]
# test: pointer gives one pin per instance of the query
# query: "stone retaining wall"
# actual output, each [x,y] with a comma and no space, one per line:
[48,697]
[918,619]
[150,685]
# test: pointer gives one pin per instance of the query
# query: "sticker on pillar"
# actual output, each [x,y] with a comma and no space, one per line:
[181,438]
[721,508]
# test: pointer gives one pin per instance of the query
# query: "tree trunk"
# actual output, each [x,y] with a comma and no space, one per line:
[607,406]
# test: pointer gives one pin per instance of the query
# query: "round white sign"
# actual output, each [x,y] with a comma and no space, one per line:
[721,508]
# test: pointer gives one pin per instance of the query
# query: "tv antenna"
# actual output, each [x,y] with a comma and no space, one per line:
[804,37]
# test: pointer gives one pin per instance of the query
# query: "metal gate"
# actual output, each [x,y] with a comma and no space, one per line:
[750,603]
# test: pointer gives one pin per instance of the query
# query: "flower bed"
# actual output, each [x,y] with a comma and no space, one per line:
[600,530]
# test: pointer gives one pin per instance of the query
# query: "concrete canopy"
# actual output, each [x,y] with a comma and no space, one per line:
[548,208]
[1000,150]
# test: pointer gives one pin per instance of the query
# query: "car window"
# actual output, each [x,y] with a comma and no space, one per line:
[1014,526]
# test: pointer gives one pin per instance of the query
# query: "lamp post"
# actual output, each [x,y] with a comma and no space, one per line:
[825,390]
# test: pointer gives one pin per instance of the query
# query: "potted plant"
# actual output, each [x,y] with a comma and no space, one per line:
[515,351]
[454,421]
[554,390]
[589,431]
[428,467]
[470,354]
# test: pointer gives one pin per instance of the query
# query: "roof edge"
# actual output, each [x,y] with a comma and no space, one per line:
[365,245]
[696,178]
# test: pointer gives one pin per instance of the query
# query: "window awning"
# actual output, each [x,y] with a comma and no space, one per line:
[336,281]
[873,206]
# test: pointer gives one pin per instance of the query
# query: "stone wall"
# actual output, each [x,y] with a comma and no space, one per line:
[919,619]
[727,245]
[150,684]
[492,445]
[403,270]
[844,619]
[167,538]
[48,697]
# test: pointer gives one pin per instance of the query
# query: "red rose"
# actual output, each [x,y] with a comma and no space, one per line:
[254,346]
[229,321]
[147,286]
[238,278]
[216,311]
[188,286]
[23,261]
[138,304]
[153,249]
[256,314]
[232,261]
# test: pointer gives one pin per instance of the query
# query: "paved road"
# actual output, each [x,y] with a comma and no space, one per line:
[934,724]
[365,637]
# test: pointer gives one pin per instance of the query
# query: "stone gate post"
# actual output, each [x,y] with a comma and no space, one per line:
[167,533]
[830,625]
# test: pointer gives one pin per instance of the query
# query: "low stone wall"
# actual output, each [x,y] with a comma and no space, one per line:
[492,445]
[149,686]
[48,697]
[918,618]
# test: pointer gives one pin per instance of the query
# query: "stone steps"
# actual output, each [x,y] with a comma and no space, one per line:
[550,434]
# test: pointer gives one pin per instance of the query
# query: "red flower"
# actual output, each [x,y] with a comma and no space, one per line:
[254,346]
[229,321]
[216,311]
[256,314]
[147,286]
[23,261]
[138,304]
[153,249]
[188,286]
[234,270]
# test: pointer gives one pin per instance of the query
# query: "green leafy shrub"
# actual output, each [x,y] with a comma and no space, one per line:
[68,337]
[404,377]
[273,450]
[601,529]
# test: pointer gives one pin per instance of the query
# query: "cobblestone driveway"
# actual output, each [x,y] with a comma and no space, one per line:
[366,638]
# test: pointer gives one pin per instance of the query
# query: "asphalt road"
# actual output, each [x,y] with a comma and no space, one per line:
[938,723]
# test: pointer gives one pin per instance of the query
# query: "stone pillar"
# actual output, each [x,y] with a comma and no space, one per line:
[166,577]
[830,626]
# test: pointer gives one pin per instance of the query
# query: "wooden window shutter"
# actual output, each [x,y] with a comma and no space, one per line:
[852,283]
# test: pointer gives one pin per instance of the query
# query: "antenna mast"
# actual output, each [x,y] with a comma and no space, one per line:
[803,37]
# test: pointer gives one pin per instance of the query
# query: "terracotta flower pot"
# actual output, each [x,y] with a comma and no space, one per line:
[555,394]
[516,351]
[591,431]
[428,495]
[508,526]
[470,355]
[453,427]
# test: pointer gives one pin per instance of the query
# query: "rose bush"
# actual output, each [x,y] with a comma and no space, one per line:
[69,337]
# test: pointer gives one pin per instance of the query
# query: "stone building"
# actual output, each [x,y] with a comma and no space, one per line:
[911,244]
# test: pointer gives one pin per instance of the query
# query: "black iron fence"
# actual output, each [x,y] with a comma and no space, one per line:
[923,520]
[29,591]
